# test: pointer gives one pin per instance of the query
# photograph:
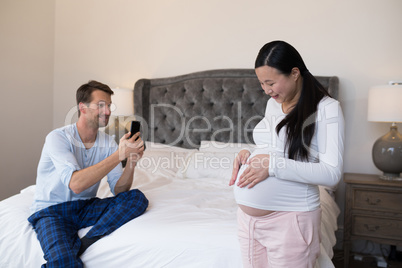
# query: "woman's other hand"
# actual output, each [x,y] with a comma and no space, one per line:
[240,159]
[257,171]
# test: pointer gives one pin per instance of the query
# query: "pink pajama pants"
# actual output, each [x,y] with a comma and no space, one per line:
[280,239]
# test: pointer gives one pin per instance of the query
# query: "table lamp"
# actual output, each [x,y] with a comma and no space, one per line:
[385,105]
[123,103]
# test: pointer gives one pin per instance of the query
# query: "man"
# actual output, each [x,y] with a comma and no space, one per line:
[74,160]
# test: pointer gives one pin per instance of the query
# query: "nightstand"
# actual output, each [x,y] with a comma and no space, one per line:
[373,211]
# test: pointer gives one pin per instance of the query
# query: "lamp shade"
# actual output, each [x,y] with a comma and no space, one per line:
[385,103]
[123,102]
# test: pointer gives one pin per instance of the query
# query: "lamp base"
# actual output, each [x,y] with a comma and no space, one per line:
[390,177]
[387,154]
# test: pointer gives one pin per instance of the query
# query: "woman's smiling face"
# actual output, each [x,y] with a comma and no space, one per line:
[282,88]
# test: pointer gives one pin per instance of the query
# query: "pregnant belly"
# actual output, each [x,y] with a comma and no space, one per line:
[255,212]
[274,194]
[249,210]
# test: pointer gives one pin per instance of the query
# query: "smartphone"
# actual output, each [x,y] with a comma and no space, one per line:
[135,127]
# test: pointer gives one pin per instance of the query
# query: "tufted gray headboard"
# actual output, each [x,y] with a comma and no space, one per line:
[221,105]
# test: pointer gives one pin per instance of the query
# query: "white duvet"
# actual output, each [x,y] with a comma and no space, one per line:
[190,222]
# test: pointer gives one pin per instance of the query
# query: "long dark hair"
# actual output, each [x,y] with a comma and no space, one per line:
[284,57]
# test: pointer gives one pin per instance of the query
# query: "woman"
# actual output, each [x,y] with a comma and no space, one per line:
[299,146]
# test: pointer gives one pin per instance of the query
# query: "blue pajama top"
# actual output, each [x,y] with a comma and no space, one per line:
[62,154]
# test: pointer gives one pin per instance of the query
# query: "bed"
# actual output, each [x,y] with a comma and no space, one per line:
[194,125]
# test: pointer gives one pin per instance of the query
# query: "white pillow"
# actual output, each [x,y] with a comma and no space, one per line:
[164,159]
[213,160]
[216,146]
[153,146]
[209,165]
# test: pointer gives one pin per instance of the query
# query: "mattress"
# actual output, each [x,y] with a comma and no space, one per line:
[190,221]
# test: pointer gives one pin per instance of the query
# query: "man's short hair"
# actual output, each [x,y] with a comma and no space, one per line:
[84,92]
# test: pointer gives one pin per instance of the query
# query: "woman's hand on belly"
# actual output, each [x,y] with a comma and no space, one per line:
[257,171]
[240,160]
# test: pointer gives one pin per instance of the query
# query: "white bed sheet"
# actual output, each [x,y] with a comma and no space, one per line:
[189,223]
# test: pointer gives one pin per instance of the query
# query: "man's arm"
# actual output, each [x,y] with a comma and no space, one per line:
[85,178]
[125,181]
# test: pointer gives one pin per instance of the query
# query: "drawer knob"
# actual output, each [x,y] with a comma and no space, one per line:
[373,202]
[372,227]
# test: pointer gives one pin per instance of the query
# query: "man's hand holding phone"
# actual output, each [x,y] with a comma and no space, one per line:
[131,145]
[135,128]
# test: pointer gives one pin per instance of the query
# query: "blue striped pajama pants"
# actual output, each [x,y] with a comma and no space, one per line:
[57,226]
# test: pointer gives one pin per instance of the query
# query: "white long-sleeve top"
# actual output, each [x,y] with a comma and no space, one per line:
[293,185]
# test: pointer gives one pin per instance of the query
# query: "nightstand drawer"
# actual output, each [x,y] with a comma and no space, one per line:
[377,227]
[377,200]
[373,211]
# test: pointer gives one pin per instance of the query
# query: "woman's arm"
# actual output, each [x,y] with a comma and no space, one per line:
[330,128]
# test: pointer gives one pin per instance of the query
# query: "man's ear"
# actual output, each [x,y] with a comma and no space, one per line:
[81,107]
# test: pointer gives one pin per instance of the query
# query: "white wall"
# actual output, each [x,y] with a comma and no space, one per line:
[26,83]
[118,42]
